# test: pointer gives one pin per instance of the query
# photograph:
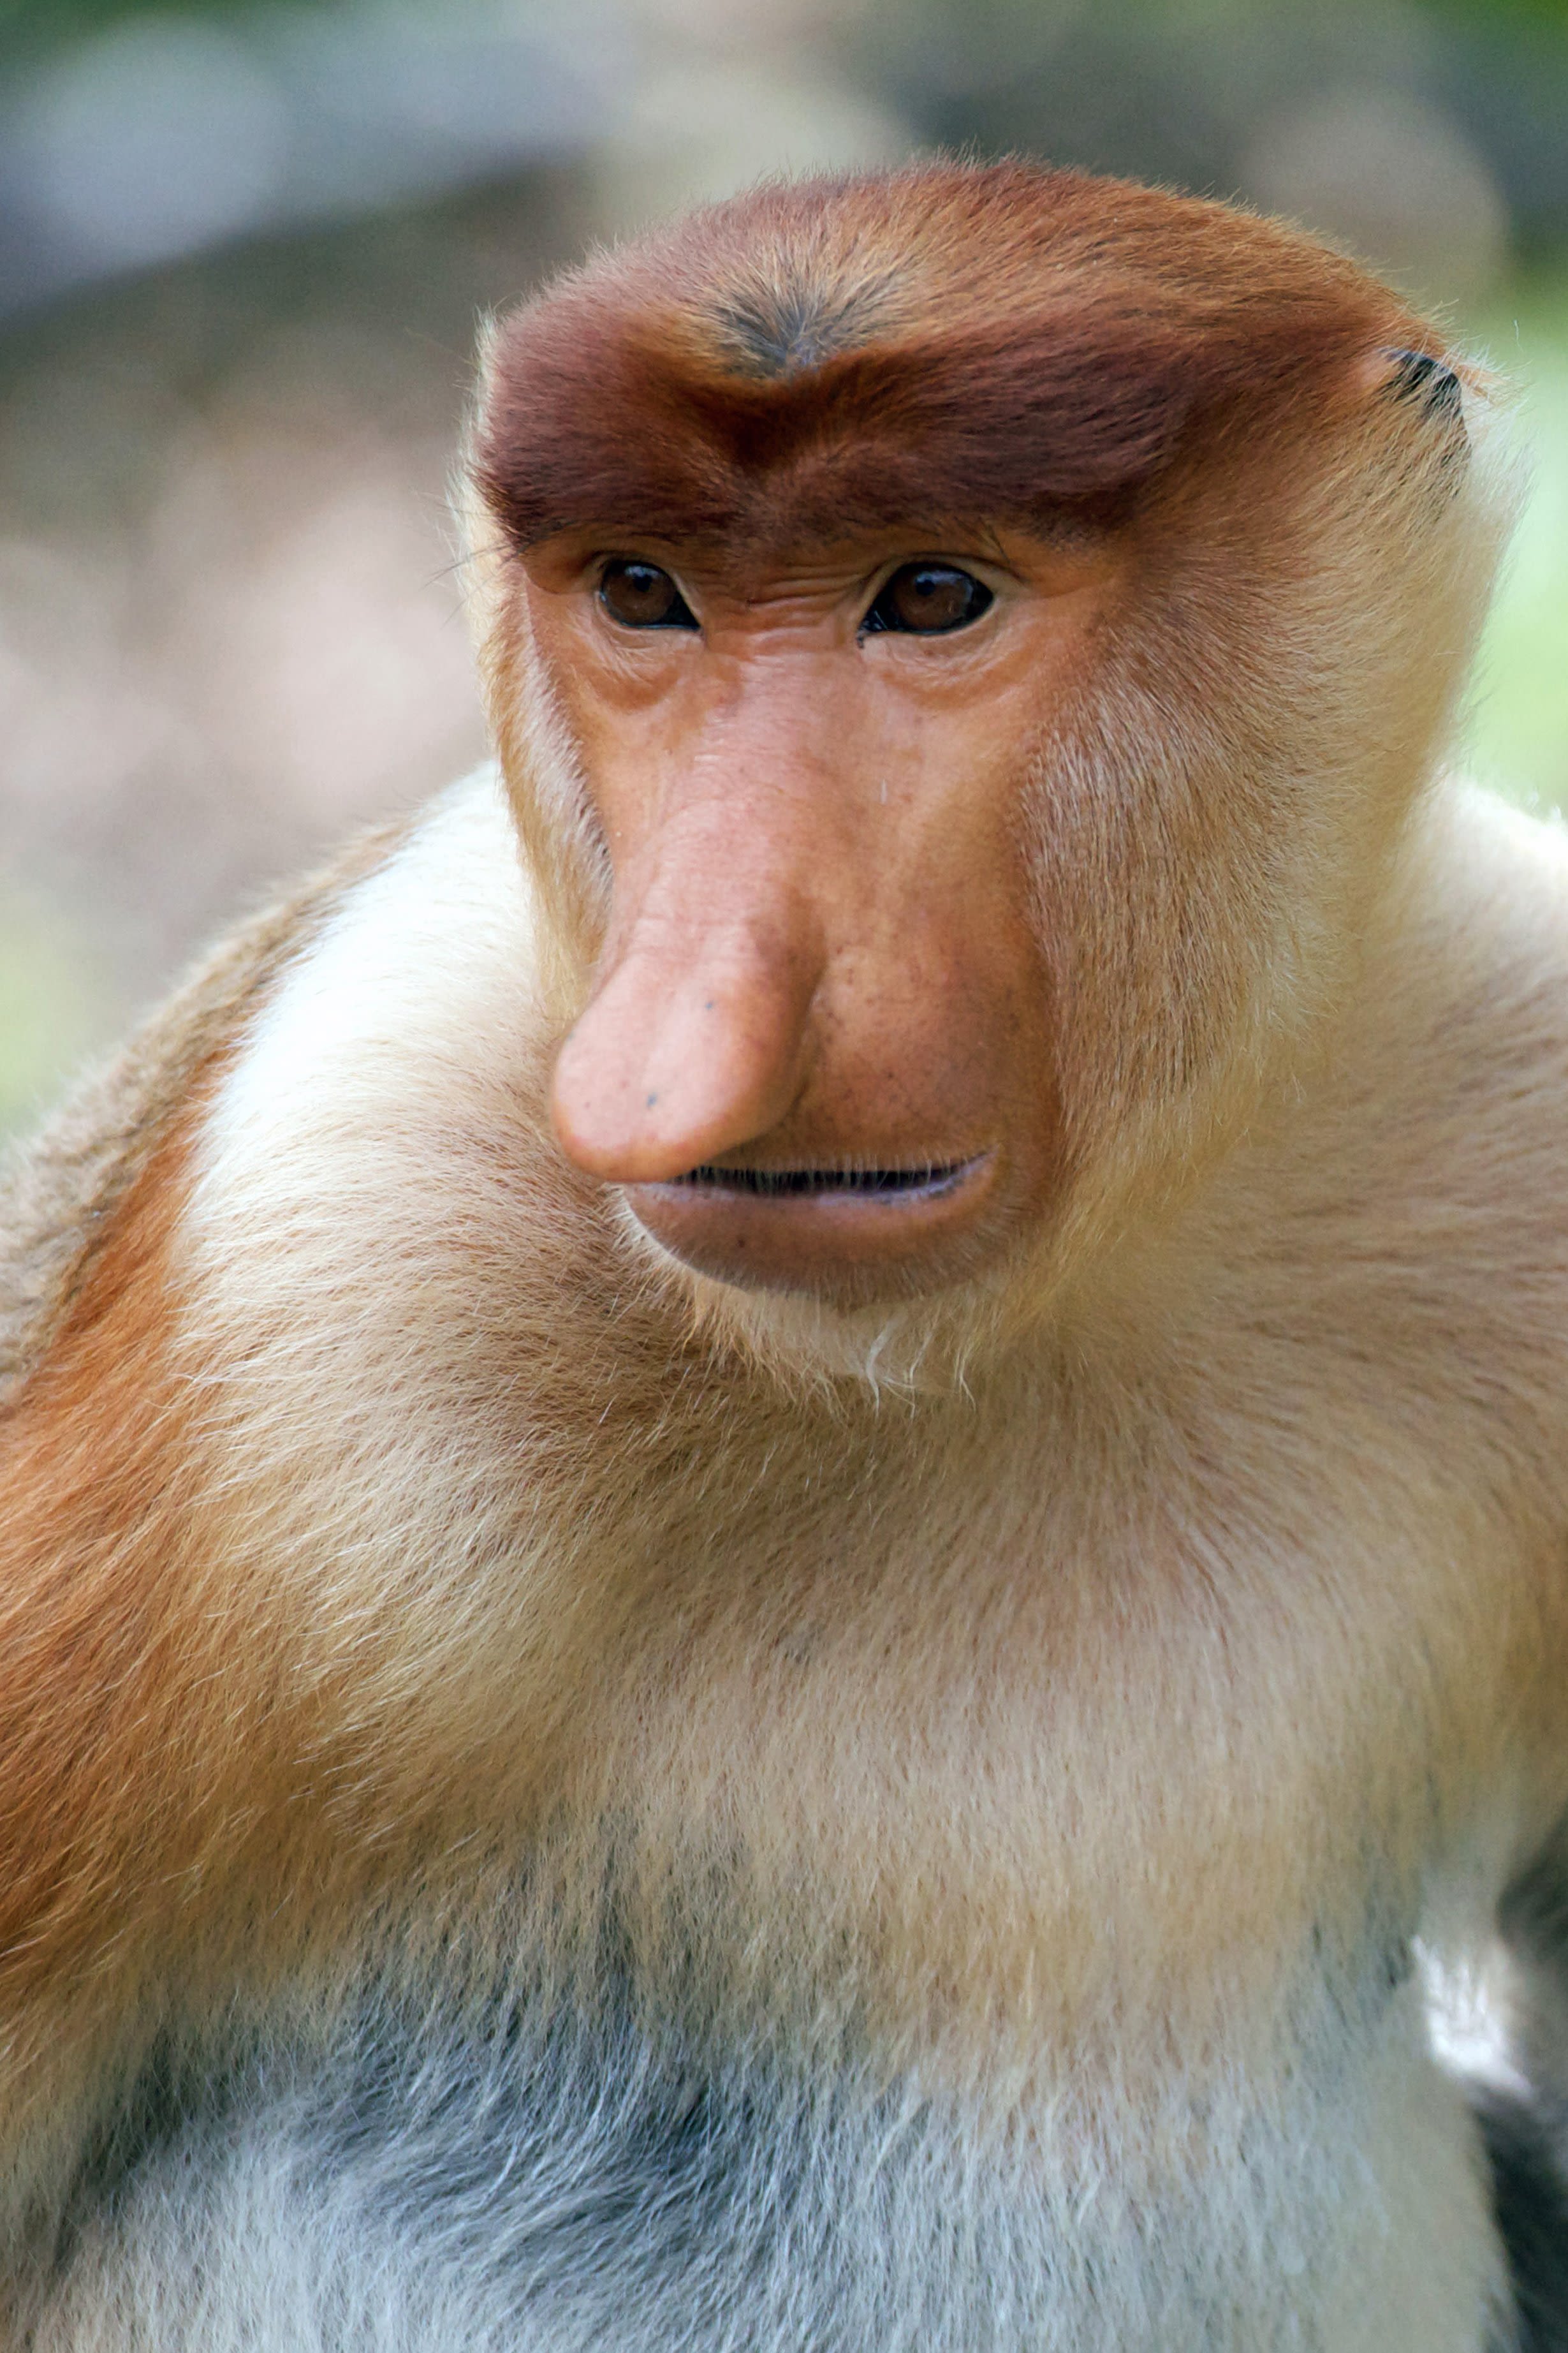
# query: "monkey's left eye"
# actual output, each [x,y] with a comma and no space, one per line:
[926,599]
[642,596]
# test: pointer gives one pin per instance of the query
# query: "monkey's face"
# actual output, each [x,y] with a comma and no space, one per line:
[930,894]
[818,1055]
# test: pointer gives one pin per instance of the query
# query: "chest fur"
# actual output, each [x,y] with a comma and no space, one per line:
[540,2181]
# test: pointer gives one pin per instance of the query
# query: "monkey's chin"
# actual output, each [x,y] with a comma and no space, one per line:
[846,1238]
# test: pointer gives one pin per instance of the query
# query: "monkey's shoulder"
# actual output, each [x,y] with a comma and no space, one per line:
[386,1104]
[1475,984]
[1437,1136]
[125,1125]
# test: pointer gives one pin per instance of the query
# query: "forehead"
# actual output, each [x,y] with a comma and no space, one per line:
[927,350]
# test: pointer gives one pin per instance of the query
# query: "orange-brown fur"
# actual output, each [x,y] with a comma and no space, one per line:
[794,368]
[123,1787]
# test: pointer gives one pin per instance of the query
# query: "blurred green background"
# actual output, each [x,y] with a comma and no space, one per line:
[243,251]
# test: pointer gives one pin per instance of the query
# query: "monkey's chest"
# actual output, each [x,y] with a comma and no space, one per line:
[546,2185]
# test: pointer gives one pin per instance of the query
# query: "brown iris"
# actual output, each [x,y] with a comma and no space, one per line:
[643,597]
[925,600]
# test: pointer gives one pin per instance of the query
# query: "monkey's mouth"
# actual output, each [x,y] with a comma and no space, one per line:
[847,1233]
[927,1181]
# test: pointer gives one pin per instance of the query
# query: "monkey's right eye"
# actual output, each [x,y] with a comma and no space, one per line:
[927,600]
[642,596]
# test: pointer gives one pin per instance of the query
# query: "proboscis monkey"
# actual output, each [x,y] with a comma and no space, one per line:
[783,1515]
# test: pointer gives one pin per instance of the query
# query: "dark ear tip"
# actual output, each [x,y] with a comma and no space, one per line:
[1431,383]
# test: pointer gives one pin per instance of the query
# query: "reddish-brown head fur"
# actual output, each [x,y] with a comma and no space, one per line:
[1037,900]
[940,345]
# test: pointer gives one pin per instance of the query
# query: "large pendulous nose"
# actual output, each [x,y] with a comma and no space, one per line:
[695,1042]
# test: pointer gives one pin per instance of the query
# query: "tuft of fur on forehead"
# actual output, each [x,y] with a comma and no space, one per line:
[1012,342]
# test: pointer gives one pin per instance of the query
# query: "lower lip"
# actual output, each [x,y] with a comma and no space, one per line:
[844,1240]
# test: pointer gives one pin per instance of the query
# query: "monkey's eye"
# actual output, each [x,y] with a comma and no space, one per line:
[642,596]
[925,600]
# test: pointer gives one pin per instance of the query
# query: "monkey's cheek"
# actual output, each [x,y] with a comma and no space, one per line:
[847,1248]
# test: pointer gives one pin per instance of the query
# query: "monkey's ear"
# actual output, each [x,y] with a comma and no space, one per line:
[1430,385]
[1430,382]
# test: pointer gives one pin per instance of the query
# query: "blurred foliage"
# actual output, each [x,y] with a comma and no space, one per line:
[40,24]
[49,1016]
[33,27]
[1518,734]
[1551,13]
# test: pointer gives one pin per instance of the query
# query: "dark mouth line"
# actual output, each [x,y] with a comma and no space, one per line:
[795,1184]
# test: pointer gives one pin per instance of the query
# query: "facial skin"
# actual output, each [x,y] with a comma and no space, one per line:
[818,1056]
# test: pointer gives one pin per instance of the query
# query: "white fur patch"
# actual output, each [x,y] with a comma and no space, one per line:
[425,967]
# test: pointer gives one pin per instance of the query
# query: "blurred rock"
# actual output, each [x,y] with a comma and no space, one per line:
[154,141]
[170,134]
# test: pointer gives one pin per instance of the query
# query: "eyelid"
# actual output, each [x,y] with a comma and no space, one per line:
[598,566]
[989,570]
